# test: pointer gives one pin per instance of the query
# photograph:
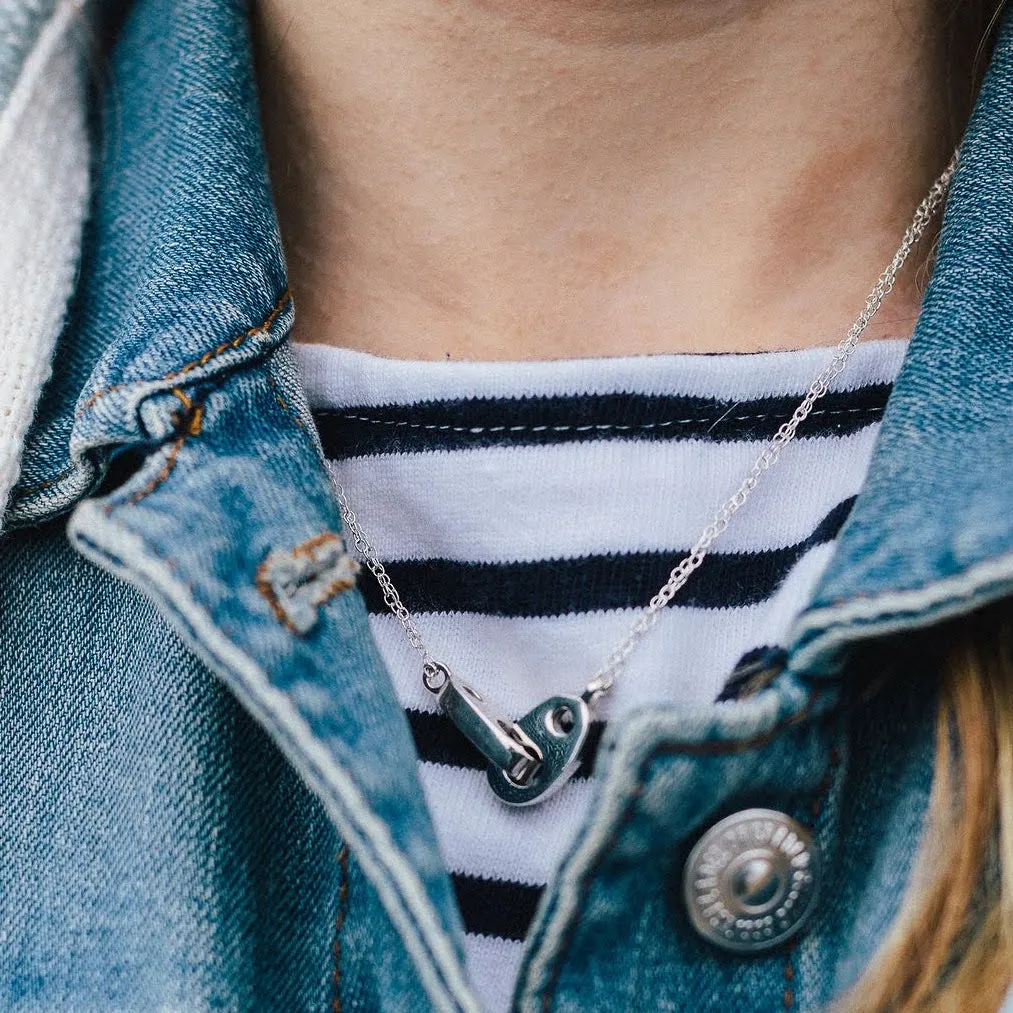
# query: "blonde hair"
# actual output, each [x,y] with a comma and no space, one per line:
[950,950]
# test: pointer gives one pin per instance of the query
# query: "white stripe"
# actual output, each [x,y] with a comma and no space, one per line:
[497,842]
[493,964]
[502,504]
[517,662]
[337,376]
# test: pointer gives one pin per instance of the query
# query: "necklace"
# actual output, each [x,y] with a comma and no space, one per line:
[533,756]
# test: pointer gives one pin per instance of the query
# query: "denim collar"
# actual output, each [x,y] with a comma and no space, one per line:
[184,278]
[173,357]
[931,535]
[173,379]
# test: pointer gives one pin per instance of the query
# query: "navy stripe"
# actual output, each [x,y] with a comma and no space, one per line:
[495,907]
[553,587]
[487,422]
[437,740]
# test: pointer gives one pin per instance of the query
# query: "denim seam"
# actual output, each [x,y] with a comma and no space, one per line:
[339,927]
[343,580]
[636,790]
[815,811]
[788,996]
[286,407]
[263,585]
[262,328]
[21,495]
[59,477]
[822,630]
[394,879]
[190,423]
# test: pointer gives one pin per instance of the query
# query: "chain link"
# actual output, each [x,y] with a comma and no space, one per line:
[392,599]
[605,677]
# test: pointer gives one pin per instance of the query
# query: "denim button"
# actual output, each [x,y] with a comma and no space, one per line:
[750,883]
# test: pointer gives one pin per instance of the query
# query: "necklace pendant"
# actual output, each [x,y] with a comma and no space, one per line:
[558,728]
[529,758]
[498,739]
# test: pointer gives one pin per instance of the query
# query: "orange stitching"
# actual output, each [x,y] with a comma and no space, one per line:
[335,587]
[308,547]
[339,926]
[263,585]
[304,549]
[262,328]
[45,485]
[192,427]
[789,977]
[195,420]
[170,463]
[284,404]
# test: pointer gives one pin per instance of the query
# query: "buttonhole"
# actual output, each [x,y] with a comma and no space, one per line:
[297,581]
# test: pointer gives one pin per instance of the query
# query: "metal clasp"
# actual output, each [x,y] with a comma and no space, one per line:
[500,740]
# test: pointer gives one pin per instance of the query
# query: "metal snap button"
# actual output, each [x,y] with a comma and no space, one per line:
[750,882]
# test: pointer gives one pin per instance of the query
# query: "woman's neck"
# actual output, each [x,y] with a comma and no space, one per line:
[552,178]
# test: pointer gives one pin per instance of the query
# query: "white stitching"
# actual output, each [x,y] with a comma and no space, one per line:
[125,554]
[476,430]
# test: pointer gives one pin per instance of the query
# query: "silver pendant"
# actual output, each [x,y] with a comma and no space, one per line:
[529,758]
[558,727]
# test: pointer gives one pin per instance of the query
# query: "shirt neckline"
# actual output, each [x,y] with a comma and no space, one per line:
[340,376]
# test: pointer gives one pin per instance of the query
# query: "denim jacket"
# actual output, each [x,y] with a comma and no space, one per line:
[208,792]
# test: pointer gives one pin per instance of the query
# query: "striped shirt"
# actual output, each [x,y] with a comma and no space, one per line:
[525,511]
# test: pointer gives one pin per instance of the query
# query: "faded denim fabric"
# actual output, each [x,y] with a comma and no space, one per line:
[20,24]
[208,796]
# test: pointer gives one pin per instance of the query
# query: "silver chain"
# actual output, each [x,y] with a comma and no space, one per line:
[610,669]
[390,596]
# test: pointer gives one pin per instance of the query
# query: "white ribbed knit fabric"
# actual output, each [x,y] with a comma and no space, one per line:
[44,162]
[525,510]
